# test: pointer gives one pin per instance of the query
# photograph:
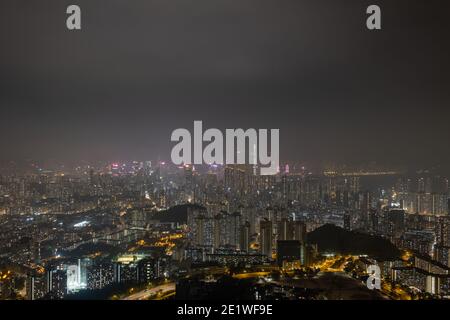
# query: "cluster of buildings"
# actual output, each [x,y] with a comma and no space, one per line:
[235,216]
[58,280]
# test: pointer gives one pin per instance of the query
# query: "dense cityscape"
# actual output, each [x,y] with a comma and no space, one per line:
[149,230]
[204,159]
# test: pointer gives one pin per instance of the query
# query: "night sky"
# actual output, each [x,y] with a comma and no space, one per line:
[140,69]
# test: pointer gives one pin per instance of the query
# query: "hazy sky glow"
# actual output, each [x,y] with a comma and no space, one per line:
[140,69]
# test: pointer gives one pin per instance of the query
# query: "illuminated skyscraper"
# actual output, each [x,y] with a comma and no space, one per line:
[244,242]
[299,231]
[36,285]
[56,283]
[265,237]
[285,230]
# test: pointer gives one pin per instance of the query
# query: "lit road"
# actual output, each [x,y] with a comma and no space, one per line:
[333,264]
[147,293]
[251,275]
[394,292]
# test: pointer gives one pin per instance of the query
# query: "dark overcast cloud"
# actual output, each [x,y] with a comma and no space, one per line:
[139,69]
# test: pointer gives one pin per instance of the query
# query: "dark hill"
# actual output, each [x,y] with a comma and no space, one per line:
[330,238]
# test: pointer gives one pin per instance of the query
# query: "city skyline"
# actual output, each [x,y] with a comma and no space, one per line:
[214,150]
[151,231]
